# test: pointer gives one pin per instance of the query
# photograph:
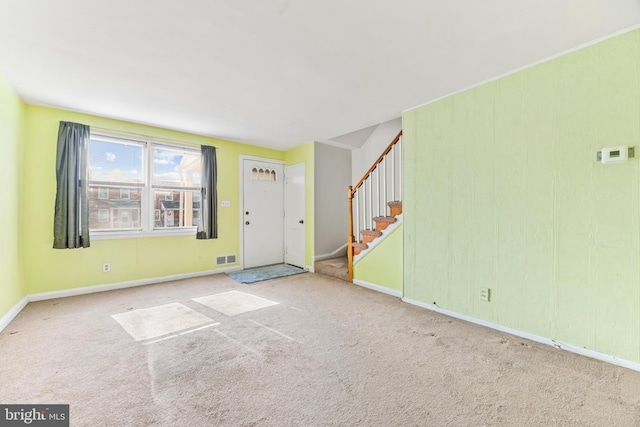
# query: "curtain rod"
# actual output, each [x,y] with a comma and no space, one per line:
[120,132]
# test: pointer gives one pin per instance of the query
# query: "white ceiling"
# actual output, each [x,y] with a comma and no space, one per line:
[278,73]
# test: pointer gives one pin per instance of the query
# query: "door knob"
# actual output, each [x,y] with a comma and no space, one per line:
[301,221]
[247,222]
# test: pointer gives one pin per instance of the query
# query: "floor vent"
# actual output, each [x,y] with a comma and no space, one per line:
[225,259]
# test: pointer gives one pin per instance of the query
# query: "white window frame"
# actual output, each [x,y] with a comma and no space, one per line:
[147,211]
[125,192]
[103,215]
[100,189]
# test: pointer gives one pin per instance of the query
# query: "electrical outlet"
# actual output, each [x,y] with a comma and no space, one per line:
[106,267]
[485,294]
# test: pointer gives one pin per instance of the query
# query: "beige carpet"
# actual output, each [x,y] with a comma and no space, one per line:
[329,354]
[233,303]
[153,322]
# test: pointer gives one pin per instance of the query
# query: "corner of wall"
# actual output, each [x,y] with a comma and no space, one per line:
[12,110]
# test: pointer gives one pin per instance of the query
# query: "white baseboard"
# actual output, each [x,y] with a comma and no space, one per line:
[533,337]
[378,288]
[11,314]
[129,284]
[342,250]
[7,318]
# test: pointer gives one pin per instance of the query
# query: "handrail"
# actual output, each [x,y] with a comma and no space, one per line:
[351,191]
[350,239]
[375,164]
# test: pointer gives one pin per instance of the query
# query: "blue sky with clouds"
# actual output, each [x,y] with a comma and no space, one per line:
[106,157]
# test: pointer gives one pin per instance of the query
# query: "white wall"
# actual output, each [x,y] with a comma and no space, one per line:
[332,178]
[363,158]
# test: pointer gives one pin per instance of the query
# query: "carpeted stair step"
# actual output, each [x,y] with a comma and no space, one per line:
[359,247]
[369,235]
[335,267]
[396,207]
[383,222]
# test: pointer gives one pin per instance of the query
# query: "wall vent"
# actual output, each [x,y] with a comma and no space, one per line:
[225,259]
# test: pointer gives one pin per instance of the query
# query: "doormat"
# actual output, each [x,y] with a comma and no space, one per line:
[265,273]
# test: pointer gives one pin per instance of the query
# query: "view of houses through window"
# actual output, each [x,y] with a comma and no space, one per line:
[142,186]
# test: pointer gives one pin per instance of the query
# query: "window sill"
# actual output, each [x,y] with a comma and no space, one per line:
[114,235]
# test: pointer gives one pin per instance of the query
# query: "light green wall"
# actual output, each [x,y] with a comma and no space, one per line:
[502,190]
[11,143]
[382,266]
[304,154]
[46,269]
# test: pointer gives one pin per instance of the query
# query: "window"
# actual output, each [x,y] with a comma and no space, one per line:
[103,215]
[158,187]
[263,174]
[176,186]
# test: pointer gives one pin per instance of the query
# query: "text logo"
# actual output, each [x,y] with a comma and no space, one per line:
[34,415]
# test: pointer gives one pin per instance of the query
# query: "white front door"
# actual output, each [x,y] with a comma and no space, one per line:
[294,220]
[263,213]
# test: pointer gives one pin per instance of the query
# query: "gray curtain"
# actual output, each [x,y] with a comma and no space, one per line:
[208,227]
[71,221]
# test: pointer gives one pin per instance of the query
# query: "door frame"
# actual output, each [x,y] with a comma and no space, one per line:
[244,157]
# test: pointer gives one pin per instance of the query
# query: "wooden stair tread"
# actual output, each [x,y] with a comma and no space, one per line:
[387,219]
[369,235]
[359,247]
[395,207]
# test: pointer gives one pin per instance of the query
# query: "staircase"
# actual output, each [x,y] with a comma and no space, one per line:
[375,202]
[382,222]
